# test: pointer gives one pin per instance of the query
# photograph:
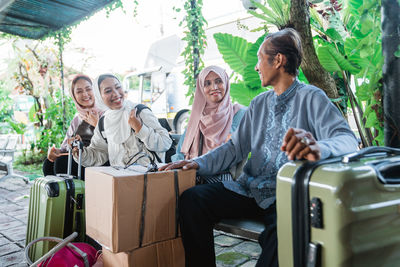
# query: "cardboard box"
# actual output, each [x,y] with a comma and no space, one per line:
[114,204]
[163,254]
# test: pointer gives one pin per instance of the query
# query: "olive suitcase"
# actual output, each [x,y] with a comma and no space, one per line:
[56,209]
[340,211]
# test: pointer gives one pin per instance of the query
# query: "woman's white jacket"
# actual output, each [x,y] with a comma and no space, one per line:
[151,137]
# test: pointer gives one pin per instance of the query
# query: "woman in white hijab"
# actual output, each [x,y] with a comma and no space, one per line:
[127,137]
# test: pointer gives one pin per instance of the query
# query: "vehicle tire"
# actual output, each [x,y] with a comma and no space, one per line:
[180,121]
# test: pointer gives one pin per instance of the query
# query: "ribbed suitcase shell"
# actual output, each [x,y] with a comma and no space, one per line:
[47,214]
[361,215]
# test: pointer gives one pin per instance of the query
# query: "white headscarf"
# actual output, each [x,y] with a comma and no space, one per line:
[116,126]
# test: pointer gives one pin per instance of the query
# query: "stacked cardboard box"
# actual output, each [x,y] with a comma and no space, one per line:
[135,213]
[168,253]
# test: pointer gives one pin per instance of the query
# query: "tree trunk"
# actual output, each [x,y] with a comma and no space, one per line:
[312,69]
[391,71]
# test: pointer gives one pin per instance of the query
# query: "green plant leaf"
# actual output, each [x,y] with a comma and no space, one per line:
[355,6]
[268,12]
[263,17]
[32,114]
[371,120]
[241,94]
[302,77]
[251,58]
[333,61]
[334,35]
[250,76]
[233,50]
[277,14]
[397,53]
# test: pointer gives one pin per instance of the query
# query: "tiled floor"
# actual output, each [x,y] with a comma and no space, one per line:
[14,201]
[13,215]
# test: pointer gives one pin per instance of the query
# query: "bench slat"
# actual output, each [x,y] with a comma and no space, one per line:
[246,228]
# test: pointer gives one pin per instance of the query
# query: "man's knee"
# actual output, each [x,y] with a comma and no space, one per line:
[187,199]
[196,199]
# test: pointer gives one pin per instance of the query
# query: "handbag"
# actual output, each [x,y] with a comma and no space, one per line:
[64,254]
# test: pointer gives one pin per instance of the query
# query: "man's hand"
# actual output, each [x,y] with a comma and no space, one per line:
[182,164]
[134,122]
[300,144]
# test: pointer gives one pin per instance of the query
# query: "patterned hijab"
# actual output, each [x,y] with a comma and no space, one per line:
[213,120]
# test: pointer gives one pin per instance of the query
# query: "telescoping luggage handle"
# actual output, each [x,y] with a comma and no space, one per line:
[79,145]
[304,252]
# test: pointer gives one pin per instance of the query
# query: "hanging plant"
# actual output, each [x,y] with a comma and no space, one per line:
[196,41]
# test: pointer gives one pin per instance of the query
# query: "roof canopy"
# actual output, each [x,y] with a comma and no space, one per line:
[36,18]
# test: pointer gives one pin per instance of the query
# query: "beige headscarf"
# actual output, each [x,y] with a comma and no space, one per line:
[82,110]
[213,120]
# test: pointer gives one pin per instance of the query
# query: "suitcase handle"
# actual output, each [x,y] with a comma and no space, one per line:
[78,144]
[388,172]
[62,243]
[370,151]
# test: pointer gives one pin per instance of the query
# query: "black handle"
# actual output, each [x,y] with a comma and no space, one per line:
[370,151]
[388,172]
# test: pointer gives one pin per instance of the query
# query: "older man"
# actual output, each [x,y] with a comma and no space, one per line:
[293,121]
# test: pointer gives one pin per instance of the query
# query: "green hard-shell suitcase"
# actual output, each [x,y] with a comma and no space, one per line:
[341,211]
[56,209]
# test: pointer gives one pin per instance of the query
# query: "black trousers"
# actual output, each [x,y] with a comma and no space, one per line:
[202,206]
[60,165]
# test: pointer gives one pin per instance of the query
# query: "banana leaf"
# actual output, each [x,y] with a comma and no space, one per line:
[233,50]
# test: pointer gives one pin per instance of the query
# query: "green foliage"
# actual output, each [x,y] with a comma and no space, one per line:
[397,53]
[54,133]
[276,12]
[195,39]
[350,47]
[333,61]
[18,127]
[241,94]
[241,56]
[30,160]
[6,103]
[233,50]
[230,258]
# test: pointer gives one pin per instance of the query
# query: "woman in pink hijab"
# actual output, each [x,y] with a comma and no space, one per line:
[82,124]
[212,121]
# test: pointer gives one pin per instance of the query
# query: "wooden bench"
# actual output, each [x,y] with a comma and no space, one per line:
[244,228]
[8,144]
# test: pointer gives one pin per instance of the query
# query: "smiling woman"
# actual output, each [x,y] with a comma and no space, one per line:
[128,137]
[212,120]
[111,91]
[83,124]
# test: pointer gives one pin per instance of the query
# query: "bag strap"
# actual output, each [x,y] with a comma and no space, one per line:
[201,137]
[176,182]
[143,215]
[101,128]
[138,107]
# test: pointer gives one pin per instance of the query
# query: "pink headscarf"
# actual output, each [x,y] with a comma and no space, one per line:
[82,110]
[213,120]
